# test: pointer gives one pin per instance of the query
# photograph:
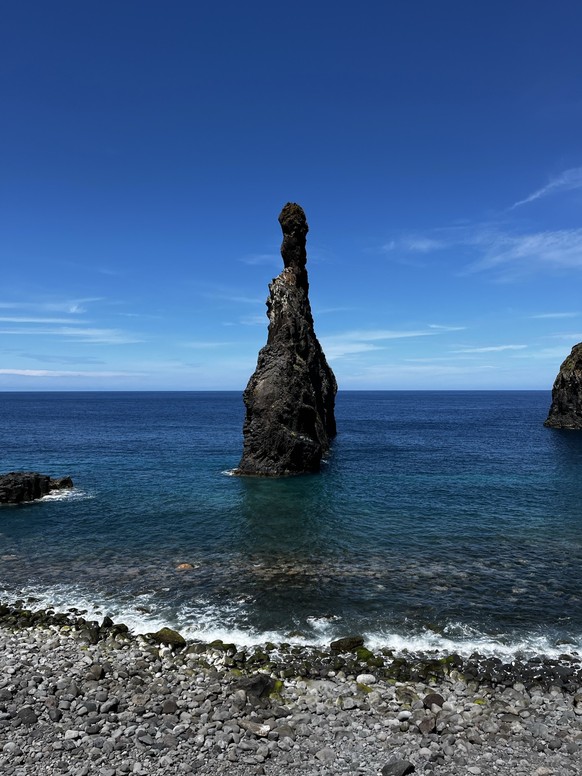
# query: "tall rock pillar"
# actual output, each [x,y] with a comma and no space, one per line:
[290,398]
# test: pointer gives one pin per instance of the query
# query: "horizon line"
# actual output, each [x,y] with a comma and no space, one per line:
[237,391]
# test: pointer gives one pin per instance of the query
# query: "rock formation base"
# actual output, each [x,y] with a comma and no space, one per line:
[566,408]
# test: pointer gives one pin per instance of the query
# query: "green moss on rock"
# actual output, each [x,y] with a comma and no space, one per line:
[168,636]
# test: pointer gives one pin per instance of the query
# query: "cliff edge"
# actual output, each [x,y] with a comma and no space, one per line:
[566,408]
[290,398]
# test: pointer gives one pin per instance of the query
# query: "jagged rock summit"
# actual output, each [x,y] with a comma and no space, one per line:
[566,409]
[17,487]
[290,398]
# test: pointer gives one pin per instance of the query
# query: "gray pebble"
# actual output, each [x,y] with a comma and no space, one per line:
[27,716]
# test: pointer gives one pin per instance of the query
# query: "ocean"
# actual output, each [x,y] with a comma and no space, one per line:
[441,520]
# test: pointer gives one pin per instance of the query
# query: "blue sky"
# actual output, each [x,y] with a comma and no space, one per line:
[147,149]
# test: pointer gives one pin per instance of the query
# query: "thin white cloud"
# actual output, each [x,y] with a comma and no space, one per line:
[556,355]
[423,244]
[24,320]
[561,249]
[262,258]
[334,350]
[439,327]
[414,244]
[372,335]
[149,316]
[61,359]
[104,336]
[365,340]
[63,373]
[253,320]
[568,180]
[572,337]
[490,349]
[72,334]
[398,375]
[328,310]
[235,297]
[493,247]
[449,357]
[71,306]
[555,315]
[349,343]
[207,344]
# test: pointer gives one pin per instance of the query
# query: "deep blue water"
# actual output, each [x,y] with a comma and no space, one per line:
[451,519]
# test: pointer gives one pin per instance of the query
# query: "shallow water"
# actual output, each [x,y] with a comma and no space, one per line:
[444,519]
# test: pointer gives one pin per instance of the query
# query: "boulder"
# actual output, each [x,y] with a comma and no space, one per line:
[290,398]
[256,684]
[347,644]
[169,637]
[566,408]
[18,487]
[433,699]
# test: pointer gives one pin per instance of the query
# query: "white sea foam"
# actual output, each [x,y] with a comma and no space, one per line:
[74,494]
[206,622]
[474,641]
[322,621]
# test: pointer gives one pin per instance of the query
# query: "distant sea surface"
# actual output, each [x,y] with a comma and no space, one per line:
[445,520]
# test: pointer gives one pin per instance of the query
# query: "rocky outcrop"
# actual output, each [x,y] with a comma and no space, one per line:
[566,409]
[17,487]
[290,398]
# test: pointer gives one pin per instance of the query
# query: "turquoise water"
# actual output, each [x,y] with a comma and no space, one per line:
[444,519]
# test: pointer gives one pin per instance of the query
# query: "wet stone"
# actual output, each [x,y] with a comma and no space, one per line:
[347,644]
[433,699]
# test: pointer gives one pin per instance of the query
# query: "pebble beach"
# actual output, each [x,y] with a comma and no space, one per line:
[84,697]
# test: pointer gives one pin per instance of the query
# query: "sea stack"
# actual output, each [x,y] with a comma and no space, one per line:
[290,398]
[566,409]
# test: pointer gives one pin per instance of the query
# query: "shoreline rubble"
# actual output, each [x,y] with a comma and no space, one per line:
[87,697]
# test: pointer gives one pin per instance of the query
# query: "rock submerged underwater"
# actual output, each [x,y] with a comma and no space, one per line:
[290,398]
[566,408]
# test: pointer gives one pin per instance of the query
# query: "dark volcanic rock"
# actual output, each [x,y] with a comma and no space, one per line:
[347,644]
[256,684]
[168,636]
[398,768]
[291,396]
[16,487]
[566,409]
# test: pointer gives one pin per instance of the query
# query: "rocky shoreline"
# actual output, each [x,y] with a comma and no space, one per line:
[84,697]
